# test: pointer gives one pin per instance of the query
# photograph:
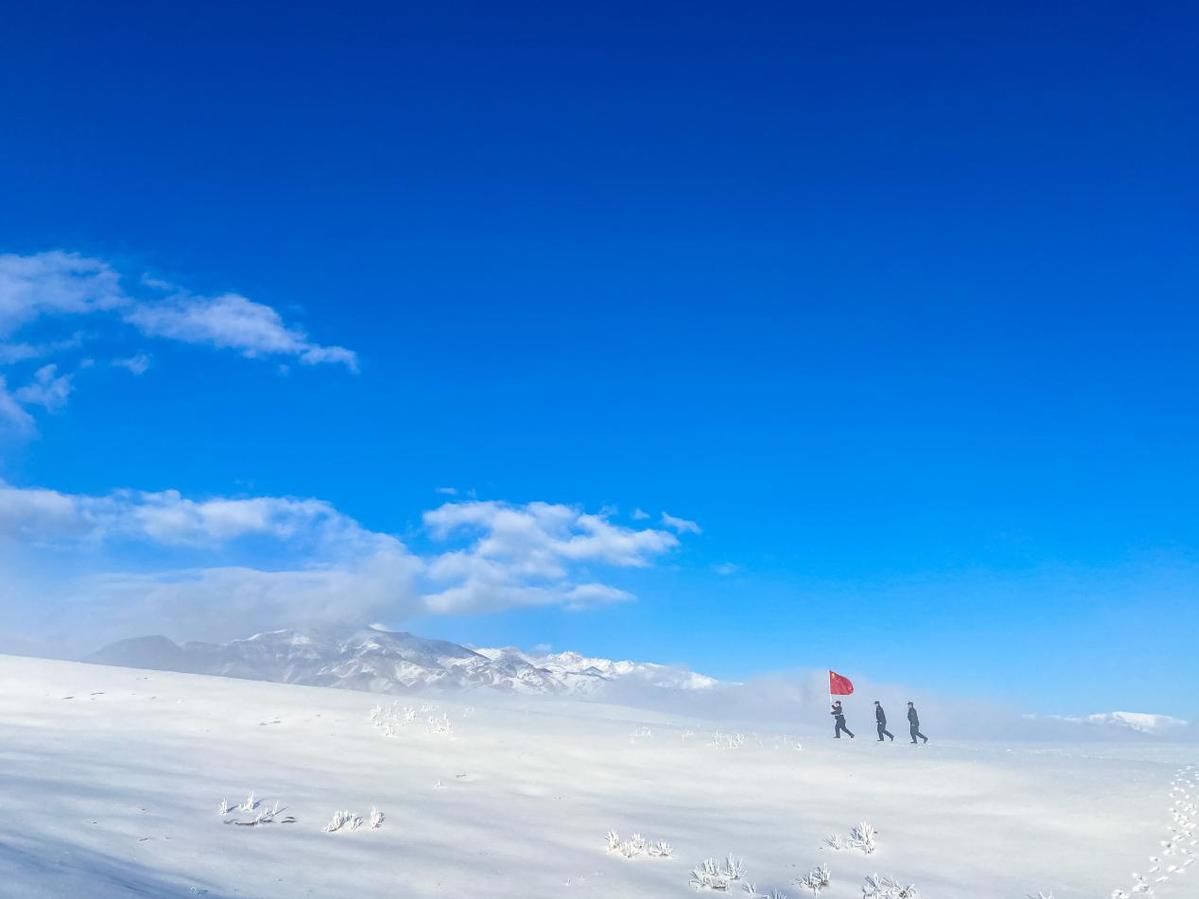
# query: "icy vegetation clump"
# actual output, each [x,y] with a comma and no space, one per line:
[637,845]
[640,733]
[252,806]
[394,719]
[862,837]
[877,887]
[718,876]
[727,741]
[815,880]
[376,819]
[751,891]
[343,820]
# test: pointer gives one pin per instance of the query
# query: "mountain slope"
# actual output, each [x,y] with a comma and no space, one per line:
[392,662]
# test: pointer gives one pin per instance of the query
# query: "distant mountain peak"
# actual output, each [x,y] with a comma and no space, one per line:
[383,661]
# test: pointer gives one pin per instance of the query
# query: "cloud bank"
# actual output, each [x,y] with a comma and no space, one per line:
[133,562]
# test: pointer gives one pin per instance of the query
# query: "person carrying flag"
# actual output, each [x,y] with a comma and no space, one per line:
[839,685]
[838,714]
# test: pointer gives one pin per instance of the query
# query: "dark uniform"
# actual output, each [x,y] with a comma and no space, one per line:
[914,724]
[880,718]
[838,714]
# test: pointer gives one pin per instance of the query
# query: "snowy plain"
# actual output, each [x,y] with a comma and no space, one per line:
[112,780]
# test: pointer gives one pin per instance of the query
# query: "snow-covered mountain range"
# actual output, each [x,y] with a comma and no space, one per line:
[394,662]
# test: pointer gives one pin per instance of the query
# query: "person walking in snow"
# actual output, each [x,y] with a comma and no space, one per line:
[914,724]
[838,714]
[880,718]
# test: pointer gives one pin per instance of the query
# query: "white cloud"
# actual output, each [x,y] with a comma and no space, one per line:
[48,389]
[197,564]
[137,364]
[446,491]
[640,515]
[531,555]
[51,518]
[230,321]
[680,525]
[12,416]
[11,353]
[725,569]
[54,289]
[54,283]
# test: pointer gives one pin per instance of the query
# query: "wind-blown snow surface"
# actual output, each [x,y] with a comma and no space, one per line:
[112,779]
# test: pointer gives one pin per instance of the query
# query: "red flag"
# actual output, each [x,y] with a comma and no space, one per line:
[839,685]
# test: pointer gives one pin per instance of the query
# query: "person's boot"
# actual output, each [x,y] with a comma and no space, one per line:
[892,738]
[926,739]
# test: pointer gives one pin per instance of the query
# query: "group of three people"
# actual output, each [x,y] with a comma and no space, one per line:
[880,718]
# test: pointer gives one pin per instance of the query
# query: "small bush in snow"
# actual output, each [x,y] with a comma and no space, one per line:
[637,845]
[260,815]
[815,880]
[225,808]
[752,892]
[862,837]
[394,718]
[718,876]
[727,741]
[343,820]
[877,887]
[376,818]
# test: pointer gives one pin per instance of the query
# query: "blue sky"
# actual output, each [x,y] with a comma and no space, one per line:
[897,305]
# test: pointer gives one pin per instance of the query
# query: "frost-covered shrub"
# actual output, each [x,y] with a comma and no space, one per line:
[343,820]
[877,887]
[815,880]
[637,845]
[259,814]
[727,741]
[719,876]
[862,837]
[225,808]
[376,819]
[392,719]
[752,892]
[266,816]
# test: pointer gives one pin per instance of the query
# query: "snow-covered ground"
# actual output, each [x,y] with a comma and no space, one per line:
[112,779]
